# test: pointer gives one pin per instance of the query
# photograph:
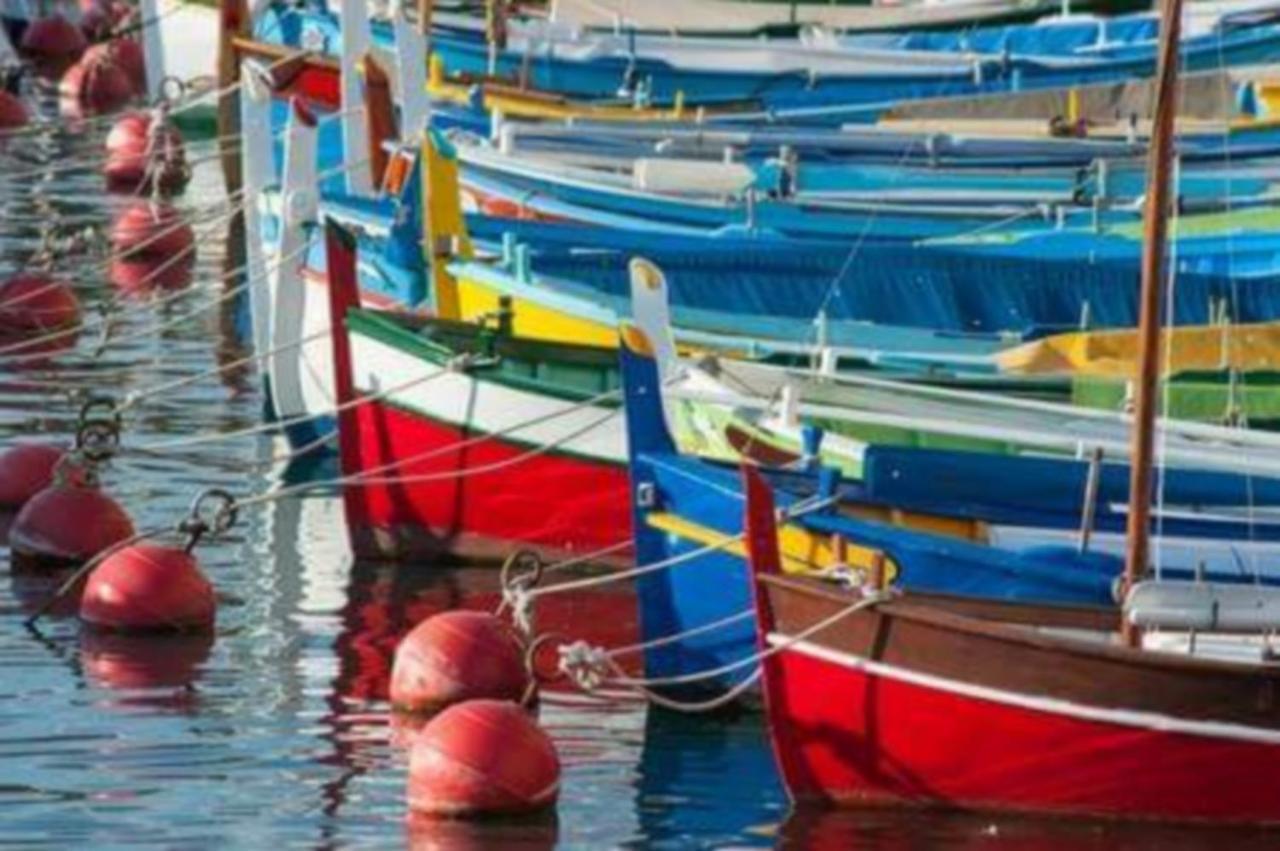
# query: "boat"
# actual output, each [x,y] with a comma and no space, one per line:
[1165,713]
[458,443]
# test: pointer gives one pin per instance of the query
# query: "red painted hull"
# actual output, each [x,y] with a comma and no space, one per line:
[556,504]
[849,736]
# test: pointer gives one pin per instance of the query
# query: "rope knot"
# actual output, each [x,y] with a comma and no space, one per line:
[586,664]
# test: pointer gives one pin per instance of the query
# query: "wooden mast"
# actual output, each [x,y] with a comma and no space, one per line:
[1155,223]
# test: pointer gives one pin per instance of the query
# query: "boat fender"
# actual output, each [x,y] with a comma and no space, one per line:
[1206,606]
[691,176]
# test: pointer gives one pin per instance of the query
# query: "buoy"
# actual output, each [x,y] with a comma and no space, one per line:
[456,656]
[481,758]
[13,112]
[127,52]
[121,661]
[148,588]
[53,44]
[25,470]
[65,525]
[151,229]
[140,278]
[34,303]
[96,84]
[143,151]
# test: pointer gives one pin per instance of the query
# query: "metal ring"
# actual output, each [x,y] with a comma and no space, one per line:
[224,516]
[531,566]
[531,662]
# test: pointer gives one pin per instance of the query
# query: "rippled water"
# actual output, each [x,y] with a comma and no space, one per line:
[276,732]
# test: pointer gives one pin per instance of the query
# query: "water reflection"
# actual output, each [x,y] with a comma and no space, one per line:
[707,780]
[908,830]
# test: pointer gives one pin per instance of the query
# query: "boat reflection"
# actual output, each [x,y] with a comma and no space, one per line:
[708,780]
[899,830]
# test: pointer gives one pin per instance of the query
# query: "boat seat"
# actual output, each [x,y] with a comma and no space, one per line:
[1205,606]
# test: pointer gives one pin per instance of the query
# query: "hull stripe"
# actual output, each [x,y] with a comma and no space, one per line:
[1128,718]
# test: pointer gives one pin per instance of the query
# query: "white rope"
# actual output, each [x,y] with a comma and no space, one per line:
[591,667]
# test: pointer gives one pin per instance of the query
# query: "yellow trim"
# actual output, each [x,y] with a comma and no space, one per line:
[802,551]
[443,224]
[1114,353]
[530,320]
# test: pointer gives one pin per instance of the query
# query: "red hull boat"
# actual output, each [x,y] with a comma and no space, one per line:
[912,701]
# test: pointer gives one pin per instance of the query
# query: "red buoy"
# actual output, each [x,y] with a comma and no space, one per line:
[456,656]
[142,151]
[482,757]
[148,588]
[151,229]
[53,44]
[140,278]
[34,303]
[13,112]
[25,470]
[128,54]
[65,525]
[96,84]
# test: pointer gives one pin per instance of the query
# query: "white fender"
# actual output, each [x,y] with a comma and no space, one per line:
[152,48]
[258,169]
[411,71]
[297,206]
[355,141]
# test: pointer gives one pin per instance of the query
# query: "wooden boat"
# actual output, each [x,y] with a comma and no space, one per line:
[492,448]
[1036,718]
[601,66]
[1168,717]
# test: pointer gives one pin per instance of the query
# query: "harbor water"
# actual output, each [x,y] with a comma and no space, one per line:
[276,733]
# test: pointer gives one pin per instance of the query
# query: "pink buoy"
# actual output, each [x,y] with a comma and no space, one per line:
[65,525]
[457,656]
[34,303]
[96,84]
[148,588]
[151,230]
[25,470]
[13,112]
[53,44]
[144,151]
[482,758]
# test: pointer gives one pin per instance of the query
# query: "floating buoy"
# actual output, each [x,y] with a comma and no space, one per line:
[480,758]
[34,303]
[53,44]
[96,84]
[144,151]
[120,661]
[127,52]
[140,278]
[25,470]
[456,656]
[65,525]
[147,229]
[148,588]
[13,112]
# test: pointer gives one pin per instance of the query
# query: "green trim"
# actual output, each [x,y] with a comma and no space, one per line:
[570,372]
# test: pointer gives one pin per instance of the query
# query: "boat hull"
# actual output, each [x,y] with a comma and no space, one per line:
[876,734]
